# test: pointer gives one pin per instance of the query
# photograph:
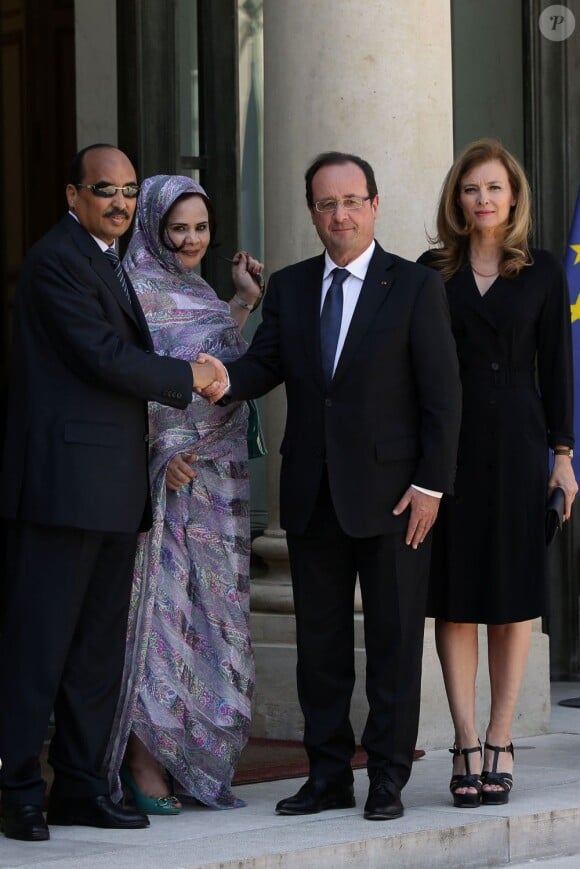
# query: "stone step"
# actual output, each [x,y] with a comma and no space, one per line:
[542,820]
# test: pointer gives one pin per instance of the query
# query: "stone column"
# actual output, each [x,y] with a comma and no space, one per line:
[373,78]
[274,593]
[96,71]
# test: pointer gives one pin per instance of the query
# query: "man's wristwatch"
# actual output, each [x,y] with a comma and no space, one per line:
[564,451]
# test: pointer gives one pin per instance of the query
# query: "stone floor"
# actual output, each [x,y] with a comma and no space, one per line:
[541,821]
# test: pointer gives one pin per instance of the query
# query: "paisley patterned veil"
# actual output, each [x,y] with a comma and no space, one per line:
[189,671]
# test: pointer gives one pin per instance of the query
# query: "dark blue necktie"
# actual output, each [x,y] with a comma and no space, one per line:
[330,321]
[113,258]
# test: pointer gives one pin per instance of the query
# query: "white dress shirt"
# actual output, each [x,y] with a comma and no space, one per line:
[350,290]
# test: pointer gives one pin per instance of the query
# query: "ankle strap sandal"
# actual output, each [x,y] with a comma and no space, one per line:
[503,780]
[468,780]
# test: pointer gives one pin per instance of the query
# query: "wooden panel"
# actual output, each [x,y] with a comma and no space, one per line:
[149,110]
[50,139]
[12,229]
[552,94]
[37,114]
[147,124]
[11,199]
[219,112]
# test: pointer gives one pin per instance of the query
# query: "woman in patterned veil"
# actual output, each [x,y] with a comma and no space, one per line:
[184,712]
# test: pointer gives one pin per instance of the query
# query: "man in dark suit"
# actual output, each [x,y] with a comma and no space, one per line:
[75,491]
[361,338]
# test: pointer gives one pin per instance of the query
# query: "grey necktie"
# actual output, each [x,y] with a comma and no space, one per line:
[330,322]
[113,258]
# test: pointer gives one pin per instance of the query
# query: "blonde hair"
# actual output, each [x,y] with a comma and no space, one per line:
[452,230]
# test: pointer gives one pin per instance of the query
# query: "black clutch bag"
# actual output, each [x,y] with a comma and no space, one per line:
[554,513]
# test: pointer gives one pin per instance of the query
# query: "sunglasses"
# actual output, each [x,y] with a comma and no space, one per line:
[107,191]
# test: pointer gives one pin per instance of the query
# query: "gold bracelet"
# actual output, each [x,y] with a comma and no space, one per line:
[246,305]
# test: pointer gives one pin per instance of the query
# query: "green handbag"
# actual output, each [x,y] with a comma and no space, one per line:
[256,442]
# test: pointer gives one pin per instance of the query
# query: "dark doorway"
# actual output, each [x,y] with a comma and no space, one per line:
[180,60]
[38,122]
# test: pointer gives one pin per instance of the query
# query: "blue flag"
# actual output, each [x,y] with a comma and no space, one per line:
[572,266]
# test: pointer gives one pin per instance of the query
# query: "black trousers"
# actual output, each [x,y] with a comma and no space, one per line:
[61,648]
[393,579]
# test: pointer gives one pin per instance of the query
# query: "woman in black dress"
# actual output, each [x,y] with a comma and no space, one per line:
[511,320]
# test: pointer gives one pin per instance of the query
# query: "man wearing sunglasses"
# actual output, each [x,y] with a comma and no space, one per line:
[74,488]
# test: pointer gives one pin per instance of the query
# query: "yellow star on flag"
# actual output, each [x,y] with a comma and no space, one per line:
[576,249]
[575,308]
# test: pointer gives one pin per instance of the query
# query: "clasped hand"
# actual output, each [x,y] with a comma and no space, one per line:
[210,378]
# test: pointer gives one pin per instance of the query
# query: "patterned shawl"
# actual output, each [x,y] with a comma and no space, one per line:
[189,669]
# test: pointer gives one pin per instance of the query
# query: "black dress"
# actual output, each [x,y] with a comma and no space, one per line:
[514,348]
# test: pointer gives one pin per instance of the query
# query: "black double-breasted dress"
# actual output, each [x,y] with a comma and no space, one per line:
[514,348]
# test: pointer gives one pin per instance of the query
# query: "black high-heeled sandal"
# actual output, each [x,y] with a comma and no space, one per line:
[504,780]
[468,780]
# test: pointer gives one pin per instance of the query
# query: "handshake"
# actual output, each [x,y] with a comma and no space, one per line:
[210,378]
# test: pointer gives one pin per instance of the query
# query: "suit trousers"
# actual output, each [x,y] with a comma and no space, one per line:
[62,648]
[393,577]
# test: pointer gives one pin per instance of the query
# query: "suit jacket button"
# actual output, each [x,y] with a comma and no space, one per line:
[178,394]
[495,366]
[328,402]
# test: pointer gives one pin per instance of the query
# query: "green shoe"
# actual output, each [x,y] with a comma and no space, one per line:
[168,805]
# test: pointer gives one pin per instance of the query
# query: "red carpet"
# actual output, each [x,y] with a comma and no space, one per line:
[262,760]
[272,759]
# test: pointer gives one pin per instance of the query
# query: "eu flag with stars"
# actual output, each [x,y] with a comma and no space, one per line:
[572,266]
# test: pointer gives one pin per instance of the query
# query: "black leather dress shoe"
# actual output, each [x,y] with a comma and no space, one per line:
[24,822]
[383,803]
[313,798]
[98,811]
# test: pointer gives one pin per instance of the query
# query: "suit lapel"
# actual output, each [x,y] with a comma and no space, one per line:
[377,285]
[464,287]
[137,313]
[100,264]
[103,268]
[308,300]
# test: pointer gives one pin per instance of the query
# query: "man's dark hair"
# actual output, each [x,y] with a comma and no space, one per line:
[337,158]
[77,169]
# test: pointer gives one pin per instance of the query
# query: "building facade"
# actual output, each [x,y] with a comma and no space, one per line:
[241,94]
